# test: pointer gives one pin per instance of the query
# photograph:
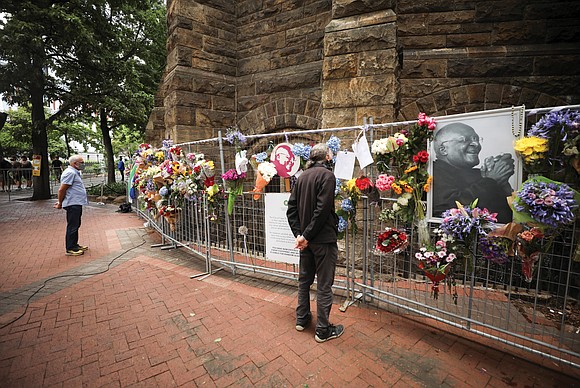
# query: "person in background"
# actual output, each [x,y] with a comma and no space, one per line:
[16,173]
[5,167]
[121,168]
[72,196]
[455,177]
[56,167]
[26,171]
[313,221]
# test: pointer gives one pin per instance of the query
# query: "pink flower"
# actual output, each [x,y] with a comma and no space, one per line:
[384,181]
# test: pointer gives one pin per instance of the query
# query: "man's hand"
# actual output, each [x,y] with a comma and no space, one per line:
[300,242]
[499,168]
[58,205]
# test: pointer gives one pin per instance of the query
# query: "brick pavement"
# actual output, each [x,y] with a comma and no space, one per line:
[139,320]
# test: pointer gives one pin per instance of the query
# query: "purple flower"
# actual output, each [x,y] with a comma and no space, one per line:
[550,203]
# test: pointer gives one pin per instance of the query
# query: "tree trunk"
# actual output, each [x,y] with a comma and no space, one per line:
[41,184]
[109,157]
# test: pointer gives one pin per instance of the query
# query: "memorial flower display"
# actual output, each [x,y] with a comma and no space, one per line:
[265,172]
[435,262]
[234,183]
[529,246]
[546,202]
[392,241]
[405,155]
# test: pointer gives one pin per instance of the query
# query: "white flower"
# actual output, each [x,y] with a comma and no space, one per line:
[396,207]
[268,170]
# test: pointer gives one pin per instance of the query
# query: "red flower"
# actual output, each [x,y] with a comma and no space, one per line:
[363,183]
[422,156]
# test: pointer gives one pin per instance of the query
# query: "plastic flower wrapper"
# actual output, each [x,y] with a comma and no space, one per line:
[234,182]
[212,196]
[169,212]
[241,162]
[498,245]
[529,246]
[546,203]
[392,241]
[266,171]
[435,262]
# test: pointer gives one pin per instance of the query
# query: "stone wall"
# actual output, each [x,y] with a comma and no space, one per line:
[275,65]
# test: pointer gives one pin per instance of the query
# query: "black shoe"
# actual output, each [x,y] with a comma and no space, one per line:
[300,326]
[74,252]
[330,333]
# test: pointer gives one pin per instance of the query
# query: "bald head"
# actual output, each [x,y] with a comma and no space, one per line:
[457,144]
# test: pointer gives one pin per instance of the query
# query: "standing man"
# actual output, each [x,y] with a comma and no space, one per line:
[121,168]
[314,223]
[72,195]
[455,177]
[57,167]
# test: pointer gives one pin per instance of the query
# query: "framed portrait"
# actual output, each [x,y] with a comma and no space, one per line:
[472,157]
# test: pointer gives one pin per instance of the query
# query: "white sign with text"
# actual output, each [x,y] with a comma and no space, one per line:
[279,237]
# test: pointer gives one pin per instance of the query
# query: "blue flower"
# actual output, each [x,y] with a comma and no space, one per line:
[342,224]
[261,157]
[346,205]
[550,203]
[334,144]
[337,188]
[163,191]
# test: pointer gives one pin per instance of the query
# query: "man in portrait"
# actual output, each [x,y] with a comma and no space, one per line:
[456,178]
[284,160]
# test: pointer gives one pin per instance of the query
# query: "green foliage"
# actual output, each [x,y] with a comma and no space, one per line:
[111,189]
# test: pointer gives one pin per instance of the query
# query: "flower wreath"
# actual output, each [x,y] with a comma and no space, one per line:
[392,241]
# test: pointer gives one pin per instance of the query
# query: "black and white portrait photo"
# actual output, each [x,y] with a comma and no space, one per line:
[472,156]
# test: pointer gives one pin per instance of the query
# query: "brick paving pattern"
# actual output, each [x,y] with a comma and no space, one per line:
[126,314]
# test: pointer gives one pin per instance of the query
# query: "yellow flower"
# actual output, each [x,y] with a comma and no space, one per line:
[427,185]
[531,148]
[159,155]
[396,188]
[410,169]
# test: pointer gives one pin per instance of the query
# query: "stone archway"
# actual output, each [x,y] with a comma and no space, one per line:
[281,114]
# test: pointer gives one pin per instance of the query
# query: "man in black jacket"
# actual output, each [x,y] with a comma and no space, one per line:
[314,223]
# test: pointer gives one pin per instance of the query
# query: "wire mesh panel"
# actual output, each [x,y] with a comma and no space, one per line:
[539,313]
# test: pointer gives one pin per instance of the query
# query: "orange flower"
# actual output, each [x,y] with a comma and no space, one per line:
[427,185]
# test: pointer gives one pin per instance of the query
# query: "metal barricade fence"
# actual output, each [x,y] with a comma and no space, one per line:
[491,300]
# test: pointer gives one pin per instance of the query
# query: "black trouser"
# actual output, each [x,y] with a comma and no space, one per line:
[319,260]
[73,223]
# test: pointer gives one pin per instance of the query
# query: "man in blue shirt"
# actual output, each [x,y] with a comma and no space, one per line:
[72,195]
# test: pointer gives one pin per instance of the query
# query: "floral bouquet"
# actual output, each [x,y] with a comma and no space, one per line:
[550,203]
[436,262]
[169,212]
[234,182]
[464,226]
[348,195]
[235,137]
[529,245]
[383,150]
[561,129]
[392,241]
[384,182]
[533,151]
[266,171]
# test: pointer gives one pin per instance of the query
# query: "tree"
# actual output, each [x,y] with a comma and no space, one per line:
[61,50]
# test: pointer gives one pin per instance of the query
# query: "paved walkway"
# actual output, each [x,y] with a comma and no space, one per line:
[126,314]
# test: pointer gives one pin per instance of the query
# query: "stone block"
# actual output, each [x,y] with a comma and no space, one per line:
[283,82]
[338,117]
[371,38]
[497,11]
[519,32]
[381,114]
[213,119]
[188,99]
[246,104]
[465,40]
[493,93]
[422,41]
[183,37]
[459,96]
[362,91]
[558,64]
[489,67]
[223,86]
[179,81]
[319,8]
[476,93]
[223,103]
[417,88]
[340,66]
[433,68]
[345,8]
[377,62]
[254,65]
